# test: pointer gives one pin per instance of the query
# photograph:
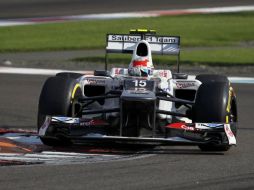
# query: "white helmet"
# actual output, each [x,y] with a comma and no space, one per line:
[141,63]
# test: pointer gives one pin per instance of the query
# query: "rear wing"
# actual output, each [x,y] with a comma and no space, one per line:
[125,43]
[160,45]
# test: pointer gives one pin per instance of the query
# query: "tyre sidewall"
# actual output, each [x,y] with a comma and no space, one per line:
[211,103]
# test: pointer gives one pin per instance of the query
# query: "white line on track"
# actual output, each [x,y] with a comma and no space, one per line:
[152,13]
[50,72]
[35,71]
[242,80]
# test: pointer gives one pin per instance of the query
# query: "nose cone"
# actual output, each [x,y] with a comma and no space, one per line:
[142,56]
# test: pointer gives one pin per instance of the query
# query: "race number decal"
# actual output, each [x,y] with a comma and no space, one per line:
[137,84]
[140,83]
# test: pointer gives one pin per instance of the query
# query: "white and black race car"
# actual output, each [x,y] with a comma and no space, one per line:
[139,104]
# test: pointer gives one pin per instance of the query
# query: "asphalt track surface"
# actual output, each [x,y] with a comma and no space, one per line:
[42,8]
[166,168]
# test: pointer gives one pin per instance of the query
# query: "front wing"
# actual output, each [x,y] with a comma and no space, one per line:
[80,131]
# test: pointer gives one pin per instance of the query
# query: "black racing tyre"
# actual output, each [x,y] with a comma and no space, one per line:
[204,78]
[69,75]
[56,99]
[215,102]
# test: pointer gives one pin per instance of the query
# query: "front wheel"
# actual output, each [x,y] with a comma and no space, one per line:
[215,103]
[56,100]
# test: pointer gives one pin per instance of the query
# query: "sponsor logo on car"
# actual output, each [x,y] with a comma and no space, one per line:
[150,39]
[230,135]
[124,38]
[119,71]
[93,81]
[182,126]
[188,128]
[163,73]
[228,131]
[93,122]
[185,84]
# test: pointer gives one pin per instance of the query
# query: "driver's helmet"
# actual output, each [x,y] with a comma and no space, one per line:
[141,63]
[140,68]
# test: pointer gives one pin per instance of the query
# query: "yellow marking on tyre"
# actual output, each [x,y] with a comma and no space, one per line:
[227,119]
[74,90]
[229,101]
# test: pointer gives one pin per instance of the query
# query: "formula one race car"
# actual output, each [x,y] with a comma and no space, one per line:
[139,104]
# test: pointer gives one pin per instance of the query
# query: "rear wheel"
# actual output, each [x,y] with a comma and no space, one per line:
[215,103]
[56,100]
